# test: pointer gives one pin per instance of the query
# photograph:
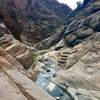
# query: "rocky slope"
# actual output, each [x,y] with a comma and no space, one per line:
[81,23]
[15,82]
[77,58]
[83,26]
[32,20]
[80,72]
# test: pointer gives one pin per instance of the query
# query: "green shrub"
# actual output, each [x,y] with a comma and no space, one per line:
[35,57]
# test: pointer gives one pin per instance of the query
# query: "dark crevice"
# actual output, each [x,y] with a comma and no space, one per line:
[23,91]
[21,88]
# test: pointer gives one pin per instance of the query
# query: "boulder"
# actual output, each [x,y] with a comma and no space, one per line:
[17,50]
[31,21]
[26,59]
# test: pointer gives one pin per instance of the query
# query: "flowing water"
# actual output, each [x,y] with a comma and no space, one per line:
[44,80]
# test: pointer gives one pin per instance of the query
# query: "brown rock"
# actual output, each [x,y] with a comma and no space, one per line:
[8,90]
[10,59]
[17,50]
[26,59]
[29,86]
[83,69]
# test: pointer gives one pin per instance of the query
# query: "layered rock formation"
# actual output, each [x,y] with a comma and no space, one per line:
[32,20]
[15,83]
[80,74]
[83,26]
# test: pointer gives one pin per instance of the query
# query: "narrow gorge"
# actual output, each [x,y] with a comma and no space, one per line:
[49,51]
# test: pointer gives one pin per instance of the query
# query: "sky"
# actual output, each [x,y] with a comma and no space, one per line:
[71,3]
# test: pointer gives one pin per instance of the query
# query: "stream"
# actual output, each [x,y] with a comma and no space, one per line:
[44,80]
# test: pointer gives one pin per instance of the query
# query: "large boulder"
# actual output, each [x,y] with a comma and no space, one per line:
[17,50]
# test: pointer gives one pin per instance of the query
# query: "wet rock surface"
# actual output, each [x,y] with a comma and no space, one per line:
[44,79]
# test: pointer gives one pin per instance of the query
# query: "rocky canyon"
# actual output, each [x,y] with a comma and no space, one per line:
[49,51]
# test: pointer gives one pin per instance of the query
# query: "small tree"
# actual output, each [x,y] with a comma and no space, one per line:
[86,2]
[79,4]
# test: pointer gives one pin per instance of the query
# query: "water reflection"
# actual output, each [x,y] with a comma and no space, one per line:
[54,90]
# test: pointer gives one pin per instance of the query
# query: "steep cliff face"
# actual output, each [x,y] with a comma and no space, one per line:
[8,16]
[85,22]
[61,10]
[33,20]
